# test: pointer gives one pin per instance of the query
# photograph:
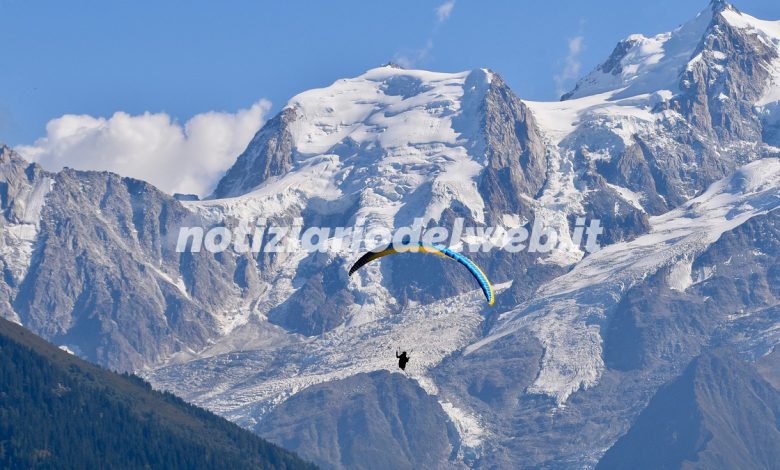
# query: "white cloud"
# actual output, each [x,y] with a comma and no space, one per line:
[412,58]
[409,61]
[187,158]
[444,10]
[571,66]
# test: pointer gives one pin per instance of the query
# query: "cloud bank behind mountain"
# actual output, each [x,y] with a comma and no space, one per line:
[154,147]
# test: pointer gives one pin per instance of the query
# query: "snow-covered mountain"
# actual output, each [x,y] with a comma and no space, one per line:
[672,142]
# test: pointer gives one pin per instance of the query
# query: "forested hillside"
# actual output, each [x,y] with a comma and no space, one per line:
[57,411]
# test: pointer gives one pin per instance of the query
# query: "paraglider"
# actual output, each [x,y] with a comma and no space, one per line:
[475,271]
[403,358]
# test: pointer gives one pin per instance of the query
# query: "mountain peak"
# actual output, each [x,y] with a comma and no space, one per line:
[640,65]
[394,65]
[378,113]
[11,163]
[717,6]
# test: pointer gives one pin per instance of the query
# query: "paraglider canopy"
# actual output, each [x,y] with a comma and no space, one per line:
[475,271]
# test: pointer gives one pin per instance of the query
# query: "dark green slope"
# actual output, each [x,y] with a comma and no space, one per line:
[57,411]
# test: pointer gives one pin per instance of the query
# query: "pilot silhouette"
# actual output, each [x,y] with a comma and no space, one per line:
[403,358]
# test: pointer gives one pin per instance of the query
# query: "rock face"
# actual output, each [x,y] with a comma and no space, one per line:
[95,267]
[378,420]
[514,149]
[671,143]
[719,413]
[270,153]
[23,187]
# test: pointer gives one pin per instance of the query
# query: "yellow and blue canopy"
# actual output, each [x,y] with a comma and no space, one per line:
[475,271]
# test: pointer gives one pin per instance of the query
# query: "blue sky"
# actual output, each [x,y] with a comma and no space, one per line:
[183,58]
